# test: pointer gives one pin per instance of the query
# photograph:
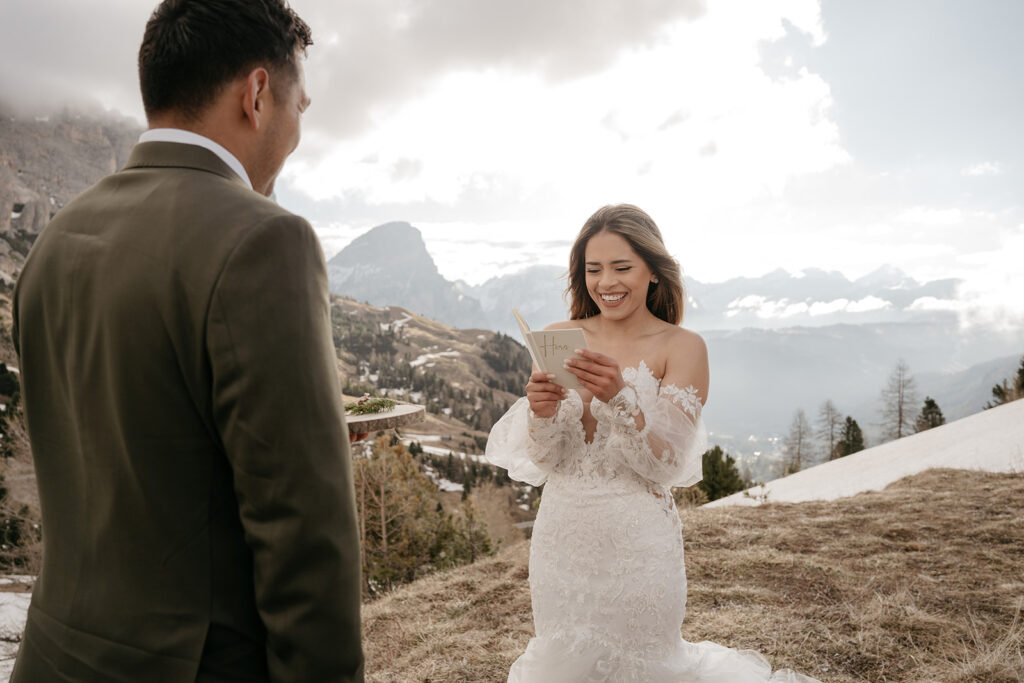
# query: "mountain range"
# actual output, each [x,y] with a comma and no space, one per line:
[777,343]
[390,263]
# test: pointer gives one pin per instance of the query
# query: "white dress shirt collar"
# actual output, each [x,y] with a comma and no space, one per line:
[187,137]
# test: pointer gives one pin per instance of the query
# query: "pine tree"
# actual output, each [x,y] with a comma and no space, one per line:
[830,425]
[471,540]
[721,477]
[931,416]
[404,530]
[1009,389]
[798,443]
[851,439]
[897,399]
[397,506]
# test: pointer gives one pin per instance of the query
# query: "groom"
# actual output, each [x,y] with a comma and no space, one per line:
[181,387]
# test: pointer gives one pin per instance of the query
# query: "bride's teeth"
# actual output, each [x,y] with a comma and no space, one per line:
[612,299]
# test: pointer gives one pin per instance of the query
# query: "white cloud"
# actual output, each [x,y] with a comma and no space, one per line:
[923,215]
[982,169]
[992,293]
[765,308]
[374,55]
[828,307]
[930,303]
[682,126]
[868,303]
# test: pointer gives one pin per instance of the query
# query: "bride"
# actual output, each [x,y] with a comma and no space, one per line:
[607,580]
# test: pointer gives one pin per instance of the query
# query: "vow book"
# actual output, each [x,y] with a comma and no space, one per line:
[550,348]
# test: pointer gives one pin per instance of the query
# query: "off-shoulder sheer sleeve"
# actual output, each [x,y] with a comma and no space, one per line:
[529,447]
[669,449]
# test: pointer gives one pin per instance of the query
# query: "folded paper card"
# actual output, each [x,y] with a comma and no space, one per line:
[550,348]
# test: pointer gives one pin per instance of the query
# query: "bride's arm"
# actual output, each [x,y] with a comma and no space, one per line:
[661,439]
[535,434]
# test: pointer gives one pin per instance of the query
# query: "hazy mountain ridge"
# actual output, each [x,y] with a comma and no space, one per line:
[816,297]
[390,264]
[537,292]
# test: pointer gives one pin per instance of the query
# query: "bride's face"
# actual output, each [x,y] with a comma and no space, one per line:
[617,278]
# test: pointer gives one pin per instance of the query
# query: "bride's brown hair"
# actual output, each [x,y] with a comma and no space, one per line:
[664,298]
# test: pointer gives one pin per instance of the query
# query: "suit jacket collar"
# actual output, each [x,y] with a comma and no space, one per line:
[178,155]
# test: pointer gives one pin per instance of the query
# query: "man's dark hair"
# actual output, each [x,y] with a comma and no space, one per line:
[192,48]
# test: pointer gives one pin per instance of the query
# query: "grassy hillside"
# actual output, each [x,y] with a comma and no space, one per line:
[923,581]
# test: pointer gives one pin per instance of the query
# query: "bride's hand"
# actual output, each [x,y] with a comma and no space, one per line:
[598,373]
[543,394]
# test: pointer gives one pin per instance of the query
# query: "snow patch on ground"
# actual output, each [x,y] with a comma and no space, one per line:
[990,441]
[13,612]
[448,486]
[427,357]
[421,437]
[441,483]
[436,450]
[396,324]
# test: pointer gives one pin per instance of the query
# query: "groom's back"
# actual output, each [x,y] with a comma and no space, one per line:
[144,548]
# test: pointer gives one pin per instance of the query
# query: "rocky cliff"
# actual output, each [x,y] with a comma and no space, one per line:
[44,162]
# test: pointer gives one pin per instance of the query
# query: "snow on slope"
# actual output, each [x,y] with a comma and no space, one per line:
[13,611]
[992,441]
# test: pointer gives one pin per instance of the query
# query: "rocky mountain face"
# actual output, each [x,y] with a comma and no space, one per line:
[390,265]
[44,162]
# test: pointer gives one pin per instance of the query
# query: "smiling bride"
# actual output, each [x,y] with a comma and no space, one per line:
[607,579]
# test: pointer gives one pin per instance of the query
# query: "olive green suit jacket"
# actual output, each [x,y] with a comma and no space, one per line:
[181,389]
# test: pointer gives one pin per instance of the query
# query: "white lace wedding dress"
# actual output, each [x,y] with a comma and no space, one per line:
[607,580]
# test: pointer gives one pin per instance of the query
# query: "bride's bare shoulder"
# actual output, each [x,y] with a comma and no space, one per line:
[687,341]
[687,355]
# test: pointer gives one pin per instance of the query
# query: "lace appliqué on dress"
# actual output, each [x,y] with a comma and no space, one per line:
[687,398]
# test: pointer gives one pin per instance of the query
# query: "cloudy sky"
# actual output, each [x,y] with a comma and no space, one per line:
[793,133]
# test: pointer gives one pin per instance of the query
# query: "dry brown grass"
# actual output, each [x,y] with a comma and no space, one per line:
[921,582]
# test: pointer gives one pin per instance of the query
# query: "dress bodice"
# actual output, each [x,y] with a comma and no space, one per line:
[596,463]
[665,453]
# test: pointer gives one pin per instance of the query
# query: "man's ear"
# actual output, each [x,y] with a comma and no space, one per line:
[256,96]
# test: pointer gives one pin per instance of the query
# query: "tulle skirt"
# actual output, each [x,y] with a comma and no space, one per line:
[551,660]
